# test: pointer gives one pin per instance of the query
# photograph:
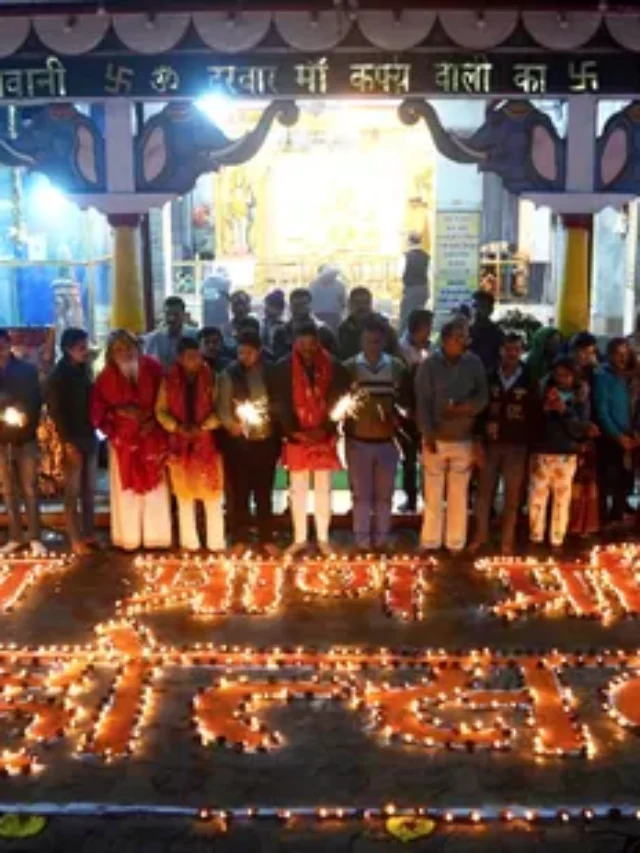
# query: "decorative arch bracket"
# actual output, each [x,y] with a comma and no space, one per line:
[180,143]
[517,141]
[62,143]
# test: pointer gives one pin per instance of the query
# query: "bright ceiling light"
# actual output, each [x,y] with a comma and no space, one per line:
[217,108]
[47,197]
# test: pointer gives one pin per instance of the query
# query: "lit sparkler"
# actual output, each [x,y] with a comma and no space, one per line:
[252,414]
[13,417]
[347,406]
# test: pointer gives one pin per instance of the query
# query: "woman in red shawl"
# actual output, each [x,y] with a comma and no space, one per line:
[122,407]
[185,408]
[310,384]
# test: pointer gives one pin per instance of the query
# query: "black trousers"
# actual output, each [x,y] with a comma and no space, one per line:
[250,468]
[615,482]
[409,439]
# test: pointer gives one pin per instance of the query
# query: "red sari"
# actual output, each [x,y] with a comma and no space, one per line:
[140,449]
[195,464]
[311,407]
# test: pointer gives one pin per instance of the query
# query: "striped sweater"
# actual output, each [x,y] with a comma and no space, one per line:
[382,387]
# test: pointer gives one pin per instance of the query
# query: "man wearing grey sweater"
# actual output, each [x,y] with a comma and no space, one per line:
[451,390]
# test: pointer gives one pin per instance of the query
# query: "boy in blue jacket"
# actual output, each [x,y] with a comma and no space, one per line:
[613,406]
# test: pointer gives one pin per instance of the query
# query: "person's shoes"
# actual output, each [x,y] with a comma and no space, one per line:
[429,551]
[238,550]
[95,545]
[10,547]
[476,547]
[80,549]
[37,549]
[408,507]
[272,551]
[295,549]
[507,549]
[325,549]
[456,553]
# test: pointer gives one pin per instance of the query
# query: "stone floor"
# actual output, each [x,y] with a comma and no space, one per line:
[329,758]
[162,835]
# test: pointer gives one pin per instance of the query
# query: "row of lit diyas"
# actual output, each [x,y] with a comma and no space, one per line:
[18,575]
[603,587]
[388,814]
[513,814]
[215,587]
[50,720]
[229,712]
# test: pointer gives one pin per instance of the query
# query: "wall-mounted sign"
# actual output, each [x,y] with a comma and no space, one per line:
[265,75]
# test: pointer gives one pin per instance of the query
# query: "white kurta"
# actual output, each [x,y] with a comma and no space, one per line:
[138,520]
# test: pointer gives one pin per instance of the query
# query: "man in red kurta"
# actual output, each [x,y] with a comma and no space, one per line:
[123,408]
[310,382]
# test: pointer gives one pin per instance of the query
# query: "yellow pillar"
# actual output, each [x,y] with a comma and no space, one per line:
[574,304]
[127,306]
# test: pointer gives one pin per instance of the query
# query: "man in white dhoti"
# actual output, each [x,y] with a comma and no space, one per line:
[123,408]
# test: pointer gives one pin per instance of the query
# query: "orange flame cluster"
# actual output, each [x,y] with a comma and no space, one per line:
[604,588]
[214,586]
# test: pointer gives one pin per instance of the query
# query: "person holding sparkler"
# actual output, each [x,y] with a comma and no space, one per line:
[68,398]
[20,404]
[252,445]
[185,410]
[310,382]
[372,451]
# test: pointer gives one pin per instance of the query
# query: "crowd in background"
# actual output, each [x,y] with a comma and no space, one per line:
[321,382]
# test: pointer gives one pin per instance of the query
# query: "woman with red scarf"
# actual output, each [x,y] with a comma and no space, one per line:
[122,407]
[310,384]
[185,408]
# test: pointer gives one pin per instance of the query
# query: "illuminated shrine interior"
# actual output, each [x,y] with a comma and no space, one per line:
[345,185]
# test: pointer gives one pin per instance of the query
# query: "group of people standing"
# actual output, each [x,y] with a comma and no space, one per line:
[207,416]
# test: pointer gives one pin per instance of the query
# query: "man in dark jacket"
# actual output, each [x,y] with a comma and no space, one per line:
[251,445]
[360,307]
[300,314]
[415,280]
[564,426]
[505,427]
[214,350]
[486,336]
[68,397]
[20,404]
